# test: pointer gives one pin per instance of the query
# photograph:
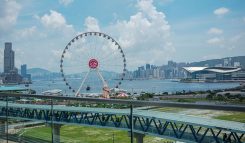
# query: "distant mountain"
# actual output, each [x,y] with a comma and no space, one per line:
[105,74]
[215,62]
[39,73]
[43,74]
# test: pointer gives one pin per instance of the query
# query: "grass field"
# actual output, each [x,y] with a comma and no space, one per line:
[237,116]
[229,116]
[78,134]
[169,109]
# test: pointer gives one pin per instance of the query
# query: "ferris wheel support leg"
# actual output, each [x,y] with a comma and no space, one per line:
[102,79]
[77,93]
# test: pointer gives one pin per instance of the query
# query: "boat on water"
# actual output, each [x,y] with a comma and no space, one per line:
[53,92]
[117,90]
[175,80]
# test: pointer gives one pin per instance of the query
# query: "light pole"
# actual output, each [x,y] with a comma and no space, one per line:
[113,138]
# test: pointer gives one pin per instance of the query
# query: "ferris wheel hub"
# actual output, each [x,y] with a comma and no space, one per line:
[93,63]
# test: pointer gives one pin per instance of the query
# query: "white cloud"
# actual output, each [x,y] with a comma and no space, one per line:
[215,41]
[221,11]
[56,20]
[54,34]
[145,36]
[236,38]
[56,24]
[9,11]
[236,41]
[65,2]
[164,2]
[27,32]
[215,31]
[91,24]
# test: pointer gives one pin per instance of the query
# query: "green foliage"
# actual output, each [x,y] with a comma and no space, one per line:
[184,100]
[32,91]
[145,96]
[220,97]
[210,96]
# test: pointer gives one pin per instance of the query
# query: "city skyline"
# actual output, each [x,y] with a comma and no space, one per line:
[148,31]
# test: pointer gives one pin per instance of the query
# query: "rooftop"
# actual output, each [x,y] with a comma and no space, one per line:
[12,88]
[212,69]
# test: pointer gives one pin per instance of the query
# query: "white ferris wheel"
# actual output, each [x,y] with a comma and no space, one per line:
[93,62]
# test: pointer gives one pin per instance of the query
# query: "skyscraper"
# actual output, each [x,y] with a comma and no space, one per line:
[23,70]
[147,66]
[10,74]
[26,78]
[8,58]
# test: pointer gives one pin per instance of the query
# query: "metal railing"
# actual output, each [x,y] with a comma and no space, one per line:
[210,106]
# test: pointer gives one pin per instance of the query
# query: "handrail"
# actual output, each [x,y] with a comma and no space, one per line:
[210,106]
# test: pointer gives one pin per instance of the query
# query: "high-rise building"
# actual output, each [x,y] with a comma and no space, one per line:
[147,66]
[227,62]
[10,74]
[23,70]
[237,64]
[8,58]
[26,78]
[141,72]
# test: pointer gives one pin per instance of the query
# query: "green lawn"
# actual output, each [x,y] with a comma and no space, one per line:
[78,134]
[169,109]
[237,116]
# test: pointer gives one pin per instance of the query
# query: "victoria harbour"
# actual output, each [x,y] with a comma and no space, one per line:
[138,86]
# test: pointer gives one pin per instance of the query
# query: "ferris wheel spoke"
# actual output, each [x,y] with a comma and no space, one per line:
[110,54]
[88,47]
[111,65]
[114,68]
[111,60]
[95,47]
[96,42]
[75,68]
[91,47]
[99,50]
[72,66]
[109,50]
[86,52]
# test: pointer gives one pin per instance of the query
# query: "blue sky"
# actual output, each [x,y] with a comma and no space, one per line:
[148,31]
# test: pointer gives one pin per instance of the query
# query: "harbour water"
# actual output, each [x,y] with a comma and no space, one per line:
[134,86]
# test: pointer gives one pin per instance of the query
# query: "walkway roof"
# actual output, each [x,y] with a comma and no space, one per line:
[12,88]
[230,125]
[212,69]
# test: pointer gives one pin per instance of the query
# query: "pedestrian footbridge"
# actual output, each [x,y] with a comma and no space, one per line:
[140,122]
